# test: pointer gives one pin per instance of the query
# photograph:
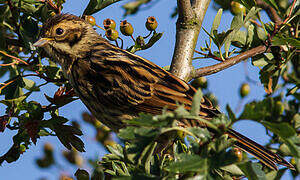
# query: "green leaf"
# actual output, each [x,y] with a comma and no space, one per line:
[146,156]
[147,120]
[296,119]
[14,89]
[189,163]
[216,21]
[253,171]
[127,133]
[250,35]
[97,5]
[196,103]
[202,133]
[15,101]
[82,174]
[281,40]
[116,149]
[292,143]
[66,134]
[257,110]
[237,22]
[233,169]
[30,85]
[231,114]
[53,72]
[130,133]
[262,59]
[220,38]
[133,6]
[270,72]
[275,175]
[284,130]
[239,38]
[292,90]
[253,11]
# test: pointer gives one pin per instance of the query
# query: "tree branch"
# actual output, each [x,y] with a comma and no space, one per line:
[190,17]
[272,13]
[229,62]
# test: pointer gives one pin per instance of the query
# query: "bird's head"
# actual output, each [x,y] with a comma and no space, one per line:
[66,36]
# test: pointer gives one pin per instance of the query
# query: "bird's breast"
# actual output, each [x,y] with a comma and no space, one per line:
[100,100]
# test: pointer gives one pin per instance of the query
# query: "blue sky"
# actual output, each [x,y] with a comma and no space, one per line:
[225,86]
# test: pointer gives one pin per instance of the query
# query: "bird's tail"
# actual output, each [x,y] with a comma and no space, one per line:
[266,156]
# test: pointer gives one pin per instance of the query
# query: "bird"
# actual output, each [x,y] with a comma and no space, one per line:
[116,85]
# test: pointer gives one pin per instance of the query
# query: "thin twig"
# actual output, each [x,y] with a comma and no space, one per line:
[229,62]
[272,13]
[148,34]
[38,74]
[10,64]
[209,55]
[290,13]
[18,59]
[6,84]
[132,38]
[254,22]
[100,27]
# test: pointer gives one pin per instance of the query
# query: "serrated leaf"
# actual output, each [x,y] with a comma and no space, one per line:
[275,175]
[188,163]
[257,110]
[253,171]
[292,143]
[203,134]
[284,130]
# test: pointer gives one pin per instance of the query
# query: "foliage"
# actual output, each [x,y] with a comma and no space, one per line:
[153,147]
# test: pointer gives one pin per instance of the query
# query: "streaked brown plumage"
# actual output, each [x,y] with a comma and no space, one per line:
[116,85]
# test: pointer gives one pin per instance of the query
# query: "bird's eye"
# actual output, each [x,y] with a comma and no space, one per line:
[59,31]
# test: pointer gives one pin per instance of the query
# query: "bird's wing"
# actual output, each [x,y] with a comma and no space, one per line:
[149,88]
[144,86]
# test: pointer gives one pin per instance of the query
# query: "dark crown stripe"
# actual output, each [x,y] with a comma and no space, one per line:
[57,19]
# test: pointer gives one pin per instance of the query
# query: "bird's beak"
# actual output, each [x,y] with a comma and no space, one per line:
[42,42]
